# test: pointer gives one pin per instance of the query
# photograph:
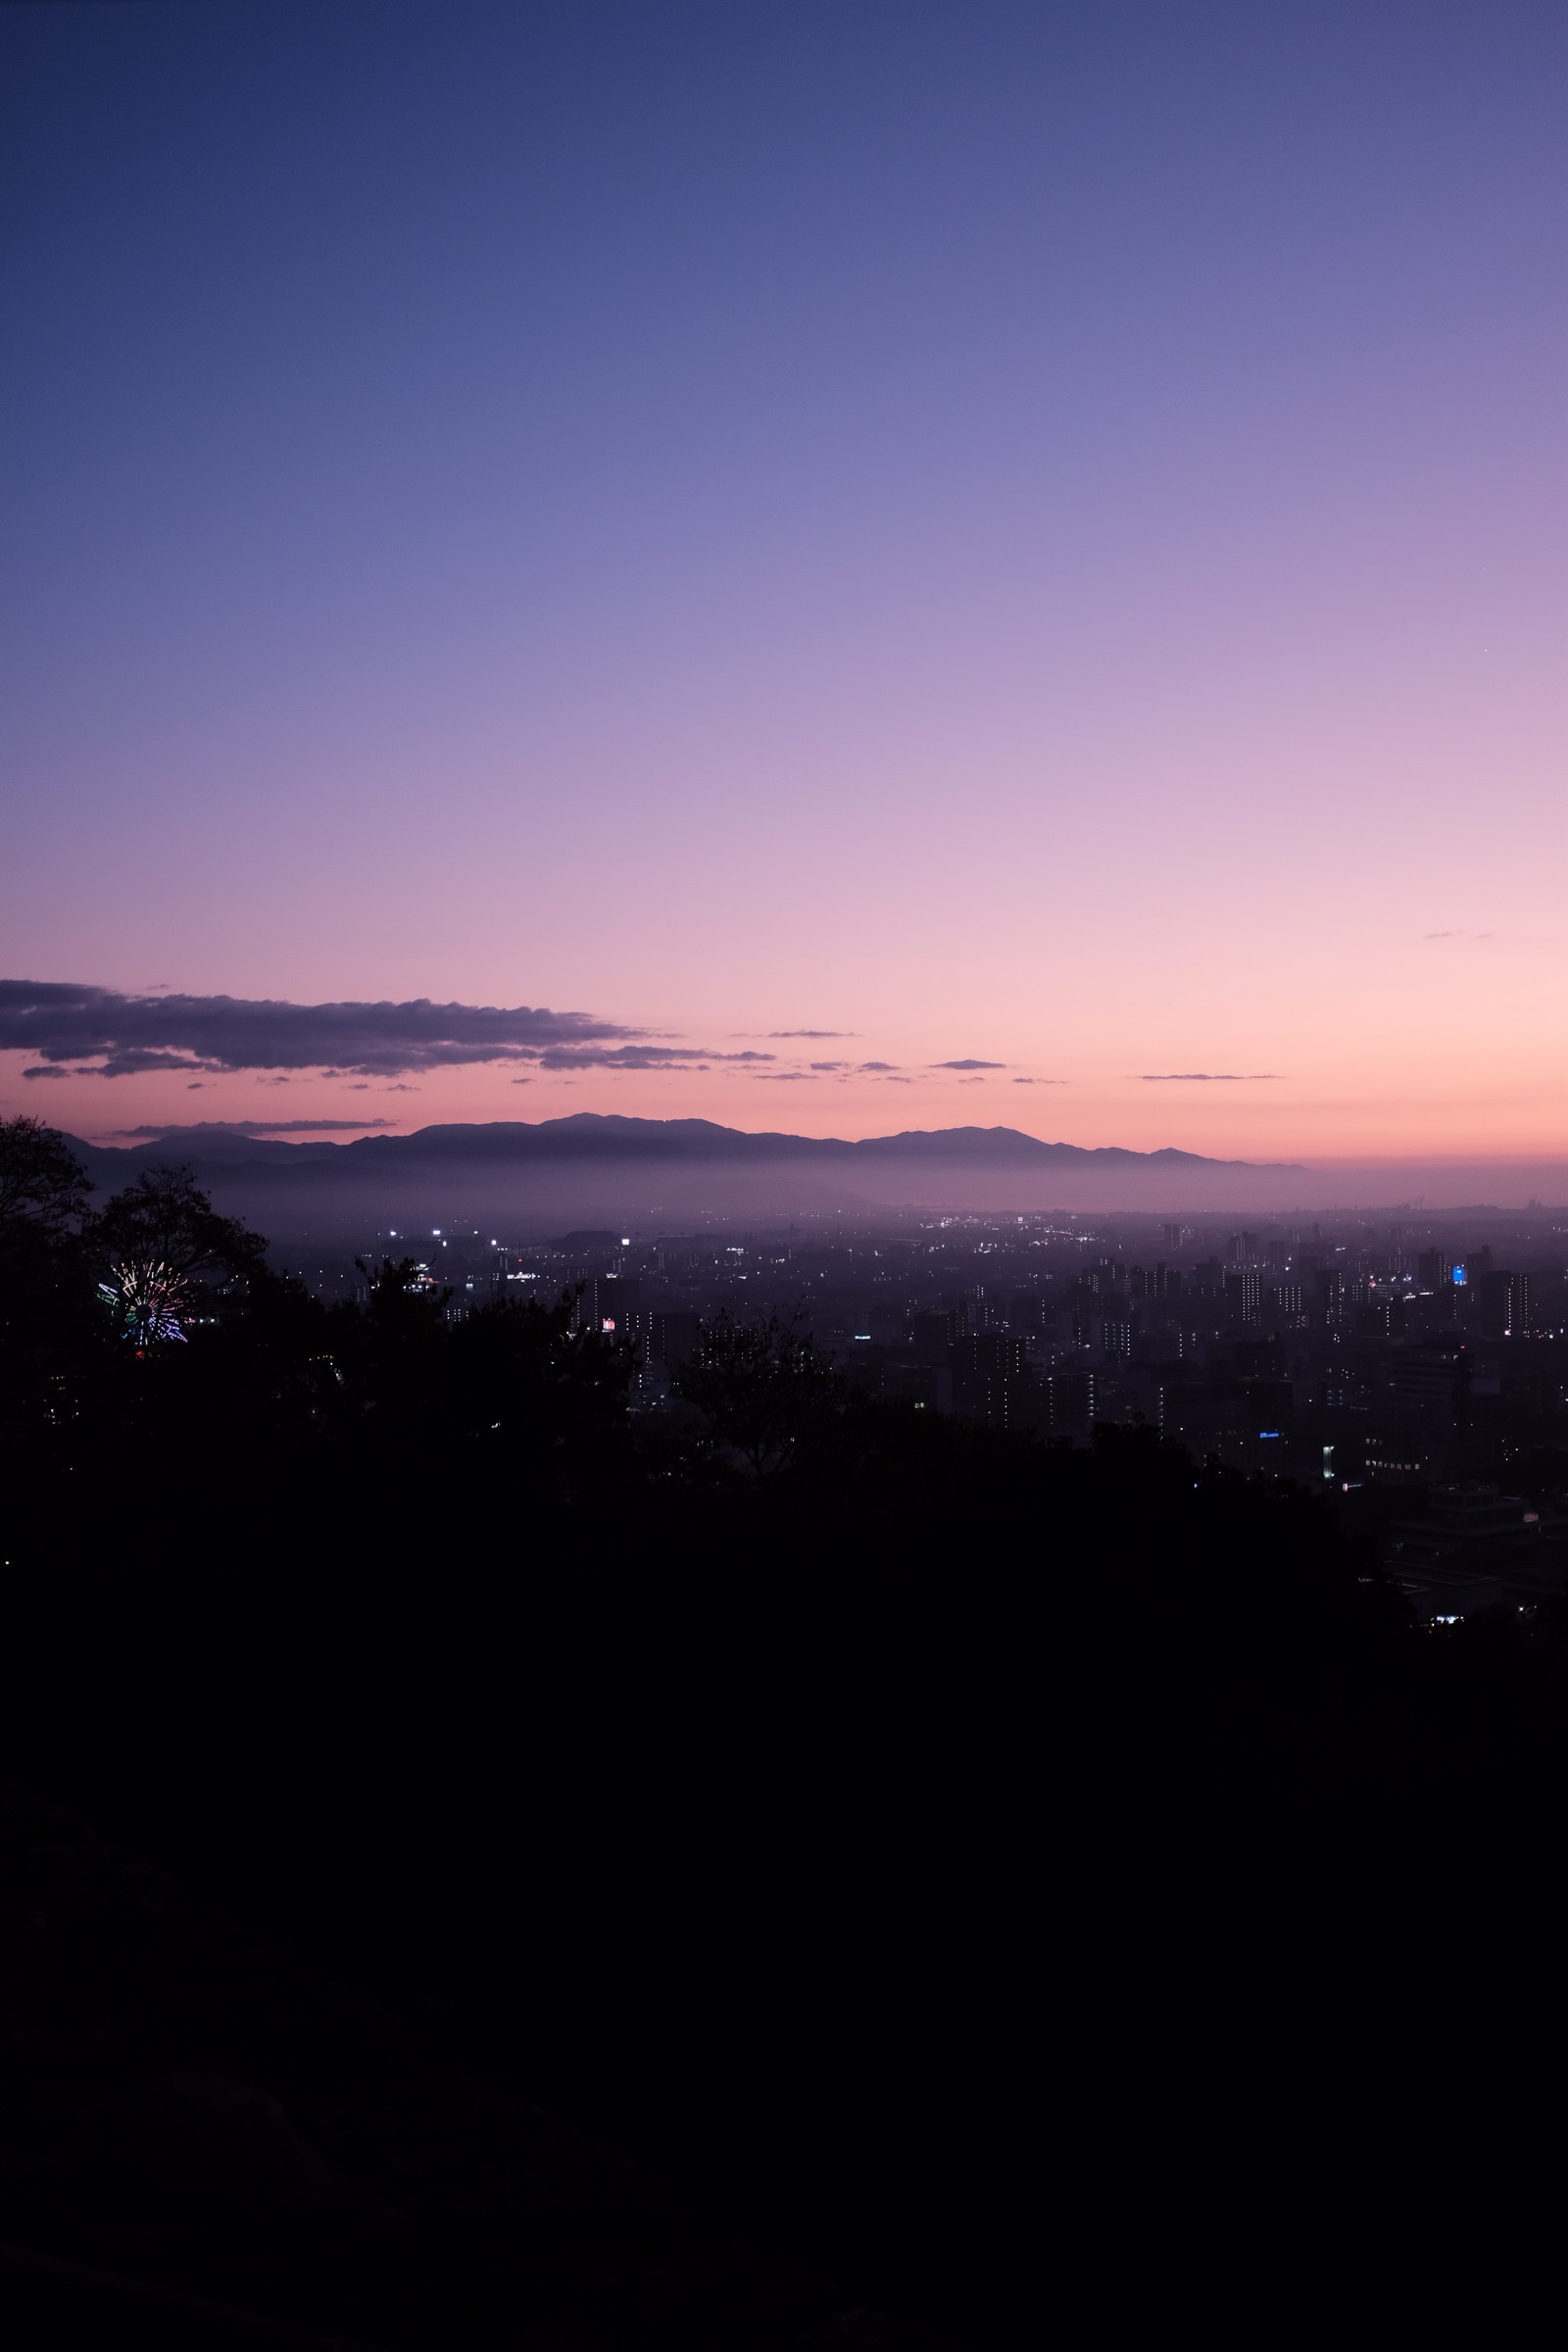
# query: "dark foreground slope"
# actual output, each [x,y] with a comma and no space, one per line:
[517,1878]
[748,1842]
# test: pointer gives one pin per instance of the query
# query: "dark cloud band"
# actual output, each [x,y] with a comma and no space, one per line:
[98,1031]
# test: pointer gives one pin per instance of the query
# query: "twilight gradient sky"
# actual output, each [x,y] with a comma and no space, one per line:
[1019,534]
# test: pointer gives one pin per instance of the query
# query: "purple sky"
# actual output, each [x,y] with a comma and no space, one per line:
[1021,536]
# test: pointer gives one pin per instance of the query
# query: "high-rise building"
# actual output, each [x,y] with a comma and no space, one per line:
[1432,1373]
[933,1335]
[1504,1306]
[1072,1404]
[1244,1296]
[990,1355]
[674,1335]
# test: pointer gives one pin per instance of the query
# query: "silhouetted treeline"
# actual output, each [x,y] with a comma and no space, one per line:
[744,1782]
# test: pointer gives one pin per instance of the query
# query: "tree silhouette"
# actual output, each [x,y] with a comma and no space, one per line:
[529,1388]
[166,1214]
[43,1186]
[157,1240]
[47,1323]
[403,1304]
[762,1387]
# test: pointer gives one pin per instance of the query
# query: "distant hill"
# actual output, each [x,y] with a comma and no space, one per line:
[535,1179]
[589,1136]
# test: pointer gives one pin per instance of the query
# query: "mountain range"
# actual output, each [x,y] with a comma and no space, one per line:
[593,1167]
[592,1136]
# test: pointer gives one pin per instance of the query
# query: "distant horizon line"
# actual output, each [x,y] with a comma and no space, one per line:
[341,1133]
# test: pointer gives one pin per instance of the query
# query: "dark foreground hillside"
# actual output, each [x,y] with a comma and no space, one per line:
[484,1869]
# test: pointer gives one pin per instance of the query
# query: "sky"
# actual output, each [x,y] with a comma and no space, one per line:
[839,567]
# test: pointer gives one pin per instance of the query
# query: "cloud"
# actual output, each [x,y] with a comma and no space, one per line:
[968,1065]
[1040,1082]
[249,1127]
[1205,1077]
[787,1077]
[1458,935]
[638,1058]
[810,1033]
[100,1032]
[838,1069]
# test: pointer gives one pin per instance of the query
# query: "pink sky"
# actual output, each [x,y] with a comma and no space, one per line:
[1006,545]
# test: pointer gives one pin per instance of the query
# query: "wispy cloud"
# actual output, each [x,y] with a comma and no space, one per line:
[1040,1082]
[842,1071]
[811,1034]
[249,1127]
[1205,1077]
[969,1064]
[638,1058]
